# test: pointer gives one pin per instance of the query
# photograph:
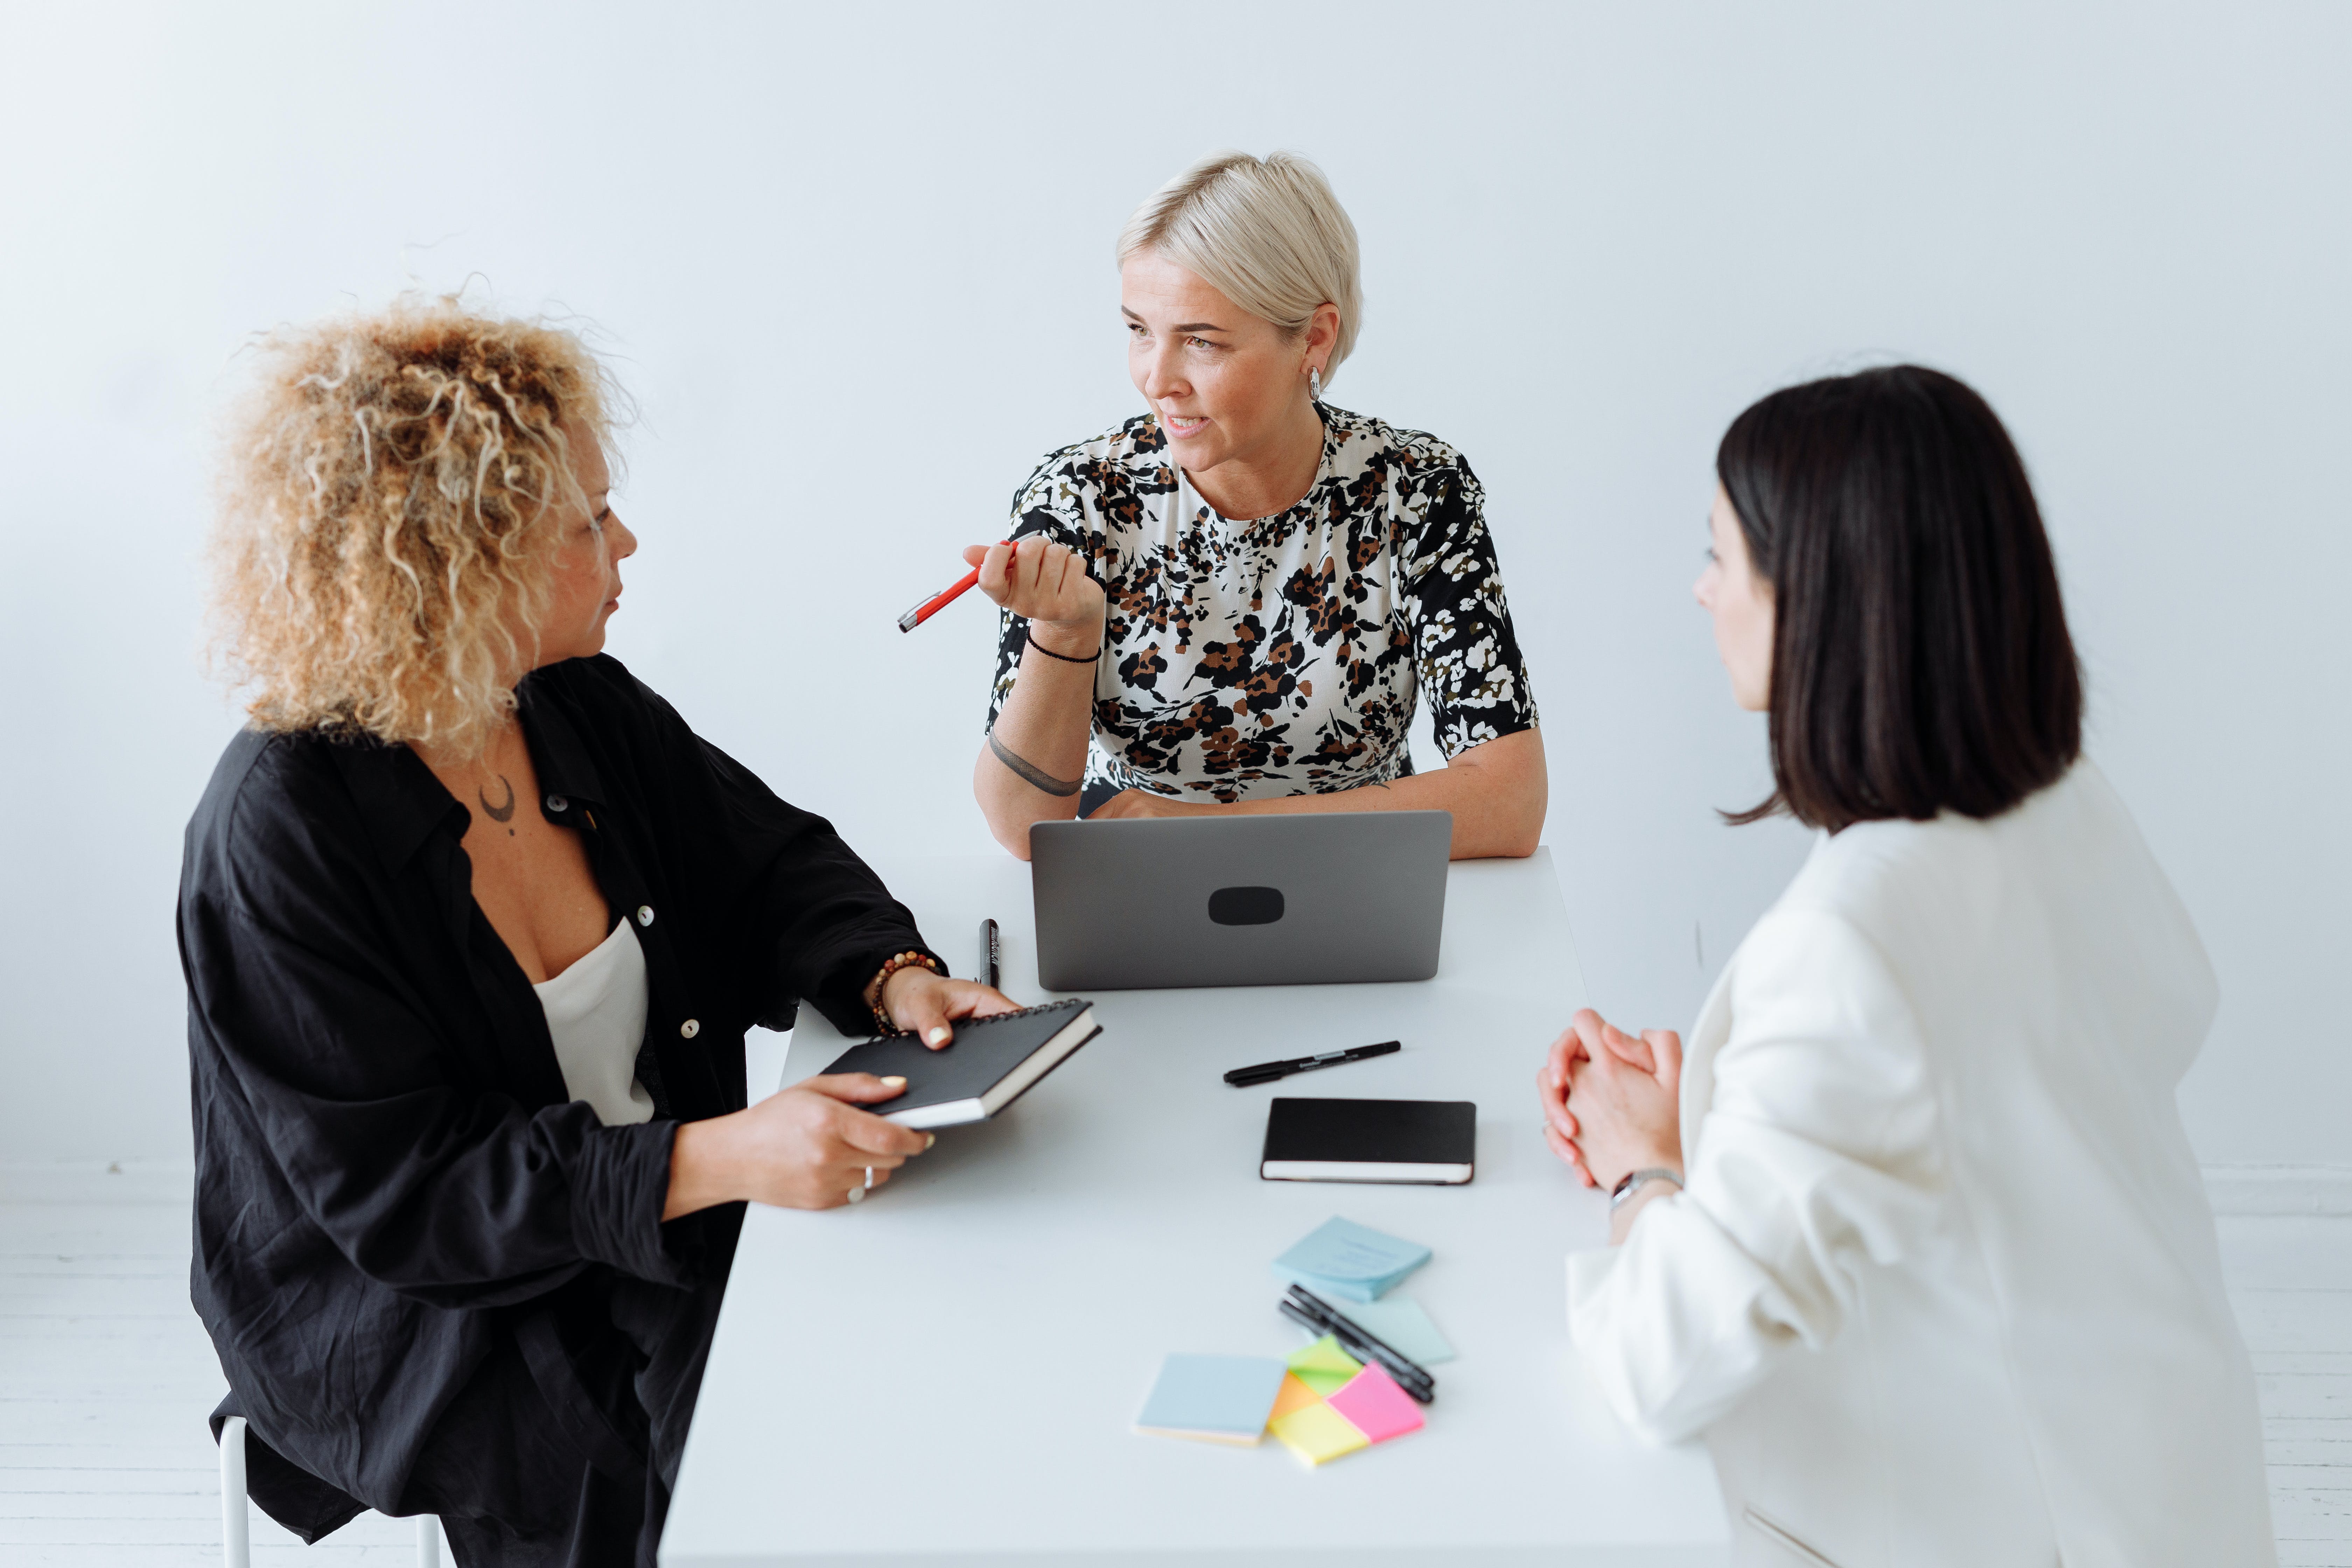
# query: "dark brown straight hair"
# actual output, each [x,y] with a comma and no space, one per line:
[1920,658]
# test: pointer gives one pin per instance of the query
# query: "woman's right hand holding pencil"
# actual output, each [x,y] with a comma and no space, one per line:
[1045,584]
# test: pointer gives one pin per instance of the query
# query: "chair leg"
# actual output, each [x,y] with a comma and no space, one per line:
[236,1547]
[236,1550]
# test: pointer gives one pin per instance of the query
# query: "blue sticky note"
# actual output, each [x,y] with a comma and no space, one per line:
[1402,1325]
[1343,1258]
[1217,1398]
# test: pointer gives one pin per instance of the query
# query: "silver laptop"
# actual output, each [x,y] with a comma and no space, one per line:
[1239,901]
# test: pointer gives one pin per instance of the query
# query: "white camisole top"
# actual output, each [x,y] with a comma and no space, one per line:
[596,1013]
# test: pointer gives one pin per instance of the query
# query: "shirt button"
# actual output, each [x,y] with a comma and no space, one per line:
[645,914]
[690,1028]
[557,803]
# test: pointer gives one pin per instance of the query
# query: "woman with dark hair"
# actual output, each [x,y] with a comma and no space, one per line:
[1913,1233]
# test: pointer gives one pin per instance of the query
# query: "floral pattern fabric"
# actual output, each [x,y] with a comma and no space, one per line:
[1283,656]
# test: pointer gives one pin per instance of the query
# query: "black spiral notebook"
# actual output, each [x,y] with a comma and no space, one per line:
[990,1063]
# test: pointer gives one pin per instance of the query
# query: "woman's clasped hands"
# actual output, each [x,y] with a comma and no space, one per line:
[1612,1102]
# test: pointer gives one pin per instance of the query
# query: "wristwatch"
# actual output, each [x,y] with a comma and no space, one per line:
[1632,1183]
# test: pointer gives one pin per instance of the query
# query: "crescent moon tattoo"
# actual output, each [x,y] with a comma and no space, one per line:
[497,813]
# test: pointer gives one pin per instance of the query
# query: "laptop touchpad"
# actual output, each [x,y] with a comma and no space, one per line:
[1246,906]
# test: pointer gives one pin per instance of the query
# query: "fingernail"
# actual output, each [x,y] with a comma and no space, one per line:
[937,1033]
[929,1139]
[894,1083]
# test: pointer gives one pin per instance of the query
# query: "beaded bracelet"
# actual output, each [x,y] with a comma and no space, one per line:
[897,962]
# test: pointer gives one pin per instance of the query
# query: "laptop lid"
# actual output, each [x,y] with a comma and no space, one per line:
[1324,899]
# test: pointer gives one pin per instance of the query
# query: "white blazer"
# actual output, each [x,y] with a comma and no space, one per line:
[1944,1288]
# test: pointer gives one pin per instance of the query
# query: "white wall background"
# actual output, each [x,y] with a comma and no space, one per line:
[855,263]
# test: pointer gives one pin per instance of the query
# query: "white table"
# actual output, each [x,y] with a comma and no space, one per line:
[948,1374]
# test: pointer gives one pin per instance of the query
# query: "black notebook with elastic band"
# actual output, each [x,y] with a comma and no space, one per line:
[1433,1142]
[990,1063]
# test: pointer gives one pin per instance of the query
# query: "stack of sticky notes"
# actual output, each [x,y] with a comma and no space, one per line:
[1214,1398]
[1330,1404]
[1321,1404]
[1341,1257]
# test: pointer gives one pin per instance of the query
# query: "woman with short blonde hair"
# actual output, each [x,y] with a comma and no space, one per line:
[473,927]
[1266,232]
[1235,601]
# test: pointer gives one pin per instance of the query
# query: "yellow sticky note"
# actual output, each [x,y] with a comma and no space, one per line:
[1292,1395]
[1317,1433]
[1324,1367]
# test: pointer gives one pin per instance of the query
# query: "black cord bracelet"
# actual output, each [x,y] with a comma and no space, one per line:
[1065,658]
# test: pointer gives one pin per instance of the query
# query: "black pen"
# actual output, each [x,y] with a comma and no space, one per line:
[988,954]
[1410,1375]
[1421,1389]
[1267,1072]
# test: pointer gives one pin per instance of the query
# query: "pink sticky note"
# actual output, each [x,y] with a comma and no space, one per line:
[1376,1406]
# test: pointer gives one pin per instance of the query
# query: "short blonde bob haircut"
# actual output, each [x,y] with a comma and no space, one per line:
[1266,232]
[389,496]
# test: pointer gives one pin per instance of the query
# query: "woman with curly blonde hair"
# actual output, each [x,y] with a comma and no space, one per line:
[473,927]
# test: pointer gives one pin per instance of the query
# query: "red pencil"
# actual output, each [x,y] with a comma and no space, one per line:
[946,596]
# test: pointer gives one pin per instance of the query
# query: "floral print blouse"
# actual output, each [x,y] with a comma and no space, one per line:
[1281,656]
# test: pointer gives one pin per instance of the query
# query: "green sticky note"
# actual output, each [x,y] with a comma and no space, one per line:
[1324,1367]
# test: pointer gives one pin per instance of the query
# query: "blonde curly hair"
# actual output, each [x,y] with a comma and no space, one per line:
[390,492]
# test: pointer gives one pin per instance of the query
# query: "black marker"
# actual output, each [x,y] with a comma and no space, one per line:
[988,954]
[1267,1072]
[1317,1316]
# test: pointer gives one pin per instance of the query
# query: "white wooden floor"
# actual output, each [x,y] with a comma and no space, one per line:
[2291,1277]
[106,1379]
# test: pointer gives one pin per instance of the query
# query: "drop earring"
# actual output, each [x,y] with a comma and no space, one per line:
[1314,385]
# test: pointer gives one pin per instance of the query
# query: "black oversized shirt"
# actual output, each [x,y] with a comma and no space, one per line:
[388,1164]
